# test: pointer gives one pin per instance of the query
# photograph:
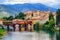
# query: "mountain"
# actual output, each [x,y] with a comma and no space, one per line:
[4,14]
[16,8]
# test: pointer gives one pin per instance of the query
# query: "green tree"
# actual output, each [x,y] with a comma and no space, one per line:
[2,31]
[10,18]
[20,16]
[5,18]
[58,22]
[58,16]
[51,16]
[49,25]
[36,27]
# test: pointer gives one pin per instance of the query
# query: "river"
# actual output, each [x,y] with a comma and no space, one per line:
[28,36]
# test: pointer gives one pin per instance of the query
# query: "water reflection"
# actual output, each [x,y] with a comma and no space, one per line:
[29,36]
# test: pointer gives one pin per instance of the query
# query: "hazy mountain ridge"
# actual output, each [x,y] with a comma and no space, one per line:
[16,8]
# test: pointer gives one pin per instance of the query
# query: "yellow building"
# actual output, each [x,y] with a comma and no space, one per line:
[38,15]
[35,13]
[28,14]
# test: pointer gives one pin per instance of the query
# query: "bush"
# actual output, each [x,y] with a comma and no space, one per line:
[49,27]
[36,27]
[2,32]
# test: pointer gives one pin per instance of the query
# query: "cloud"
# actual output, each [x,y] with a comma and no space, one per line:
[52,3]
[45,2]
[29,1]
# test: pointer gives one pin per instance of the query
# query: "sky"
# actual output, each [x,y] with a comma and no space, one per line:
[51,3]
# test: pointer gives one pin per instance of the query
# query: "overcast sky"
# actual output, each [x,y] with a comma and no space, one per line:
[52,3]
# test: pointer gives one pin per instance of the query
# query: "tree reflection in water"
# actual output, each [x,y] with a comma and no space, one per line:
[29,36]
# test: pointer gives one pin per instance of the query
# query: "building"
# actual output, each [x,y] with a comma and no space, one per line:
[30,19]
[1,22]
[28,14]
[40,16]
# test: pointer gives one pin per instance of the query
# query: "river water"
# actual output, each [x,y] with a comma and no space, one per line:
[28,36]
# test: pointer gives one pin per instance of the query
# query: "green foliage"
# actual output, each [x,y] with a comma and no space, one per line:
[5,18]
[10,18]
[51,16]
[2,32]
[58,11]
[36,26]
[20,16]
[58,16]
[49,25]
